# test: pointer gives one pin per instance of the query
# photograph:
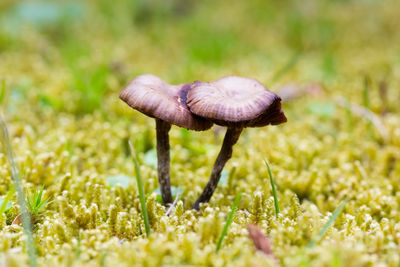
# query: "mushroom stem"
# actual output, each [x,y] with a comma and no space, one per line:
[231,138]
[162,128]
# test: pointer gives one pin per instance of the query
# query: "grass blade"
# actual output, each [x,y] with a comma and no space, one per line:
[290,64]
[331,220]
[26,218]
[39,196]
[6,200]
[271,179]
[229,219]
[141,190]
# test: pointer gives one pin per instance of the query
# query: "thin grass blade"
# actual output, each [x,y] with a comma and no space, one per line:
[26,218]
[290,64]
[141,190]
[331,221]
[229,220]
[271,179]
[39,197]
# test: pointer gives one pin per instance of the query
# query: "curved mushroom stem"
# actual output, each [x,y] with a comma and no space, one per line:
[162,129]
[231,137]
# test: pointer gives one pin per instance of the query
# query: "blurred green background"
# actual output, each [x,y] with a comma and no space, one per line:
[72,55]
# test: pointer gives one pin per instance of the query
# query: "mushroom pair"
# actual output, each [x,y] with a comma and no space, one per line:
[234,102]
[167,104]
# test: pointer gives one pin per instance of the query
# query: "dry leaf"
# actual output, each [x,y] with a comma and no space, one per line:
[17,220]
[261,242]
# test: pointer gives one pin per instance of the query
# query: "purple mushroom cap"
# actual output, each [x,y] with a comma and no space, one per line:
[154,97]
[235,101]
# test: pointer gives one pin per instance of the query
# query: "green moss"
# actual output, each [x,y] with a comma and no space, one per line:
[70,134]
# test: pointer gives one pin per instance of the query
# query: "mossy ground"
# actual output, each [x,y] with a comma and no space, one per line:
[65,63]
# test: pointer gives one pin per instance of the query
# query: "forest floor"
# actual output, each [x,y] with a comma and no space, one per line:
[336,65]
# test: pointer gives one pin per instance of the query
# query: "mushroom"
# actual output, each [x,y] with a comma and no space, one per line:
[234,102]
[167,104]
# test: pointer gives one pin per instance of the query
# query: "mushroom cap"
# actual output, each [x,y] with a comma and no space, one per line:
[235,101]
[154,97]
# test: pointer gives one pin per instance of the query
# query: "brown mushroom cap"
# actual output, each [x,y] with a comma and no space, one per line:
[234,100]
[158,99]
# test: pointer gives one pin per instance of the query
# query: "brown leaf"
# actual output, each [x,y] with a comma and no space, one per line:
[18,219]
[260,241]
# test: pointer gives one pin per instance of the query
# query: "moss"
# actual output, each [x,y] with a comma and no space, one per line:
[324,153]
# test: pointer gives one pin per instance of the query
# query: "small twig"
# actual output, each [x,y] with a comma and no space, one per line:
[364,112]
[294,91]
[173,205]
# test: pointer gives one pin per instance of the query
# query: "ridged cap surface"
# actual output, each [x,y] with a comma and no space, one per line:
[154,97]
[235,100]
